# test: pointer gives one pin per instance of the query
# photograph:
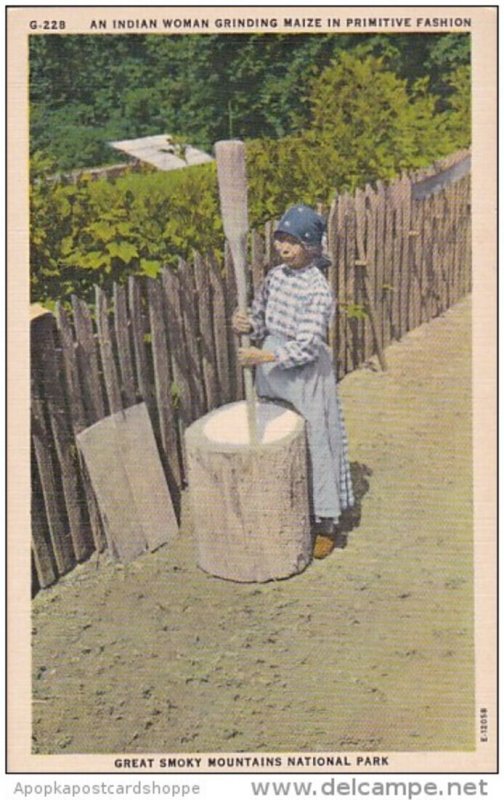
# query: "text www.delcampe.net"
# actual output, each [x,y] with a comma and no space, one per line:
[357,788]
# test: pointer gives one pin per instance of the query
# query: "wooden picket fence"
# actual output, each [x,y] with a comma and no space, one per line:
[401,255]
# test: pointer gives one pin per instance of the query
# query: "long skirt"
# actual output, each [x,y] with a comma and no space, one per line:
[311,390]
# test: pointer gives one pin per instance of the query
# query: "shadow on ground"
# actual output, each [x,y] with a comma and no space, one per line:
[351,517]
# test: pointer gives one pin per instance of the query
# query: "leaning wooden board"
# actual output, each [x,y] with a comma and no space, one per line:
[124,466]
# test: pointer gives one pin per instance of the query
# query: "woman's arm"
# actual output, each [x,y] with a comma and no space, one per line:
[251,356]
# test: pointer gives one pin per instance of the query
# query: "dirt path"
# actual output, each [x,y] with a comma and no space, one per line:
[371,649]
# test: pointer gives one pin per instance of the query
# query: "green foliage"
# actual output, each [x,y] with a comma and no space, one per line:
[98,232]
[458,116]
[370,124]
[364,123]
[176,395]
[448,53]
[354,310]
[86,90]
[197,87]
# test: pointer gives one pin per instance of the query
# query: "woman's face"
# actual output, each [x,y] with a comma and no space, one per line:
[291,251]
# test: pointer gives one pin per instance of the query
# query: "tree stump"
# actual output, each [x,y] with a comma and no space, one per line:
[249,502]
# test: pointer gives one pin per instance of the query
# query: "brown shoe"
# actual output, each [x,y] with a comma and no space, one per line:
[324,545]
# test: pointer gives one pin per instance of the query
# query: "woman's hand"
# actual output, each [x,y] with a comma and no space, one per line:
[240,322]
[250,356]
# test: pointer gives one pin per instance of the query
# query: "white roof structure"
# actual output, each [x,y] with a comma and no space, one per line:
[162,152]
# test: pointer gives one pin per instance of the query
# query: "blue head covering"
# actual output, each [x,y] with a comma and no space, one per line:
[303,223]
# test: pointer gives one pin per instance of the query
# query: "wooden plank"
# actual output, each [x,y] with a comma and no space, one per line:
[463,226]
[163,381]
[467,282]
[445,249]
[372,318]
[122,328]
[396,276]
[188,304]
[231,304]
[404,276]
[450,241]
[332,276]
[420,258]
[41,551]
[436,307]
[352,289]
[47,385]
[53,500]
[139,333]
[422,248]
[363,325]
[42,572]
[380,292]
[73,387]
[414,290]
[220,331]
[151,497]
[447,246]
[452,247]
[468,237]
[269,250]
[406,257]
[87,360]
[107,353]
[36,310]
[35,585]
[360,224]
[343,299]
[363,284]
[388,269]
[178,353]
[435,262]
[78,420]
[258,260]
[207,345]
[398,259]
[95,520]
[465,237]
[457,246]
[415,265]
[369,339]
[370,206]
[428,245]
[103,454]
[123,461]
[449,252]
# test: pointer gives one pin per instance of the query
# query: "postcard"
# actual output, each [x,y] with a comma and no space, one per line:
[251,295]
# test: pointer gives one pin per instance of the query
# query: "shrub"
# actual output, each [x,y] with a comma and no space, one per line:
[366,124]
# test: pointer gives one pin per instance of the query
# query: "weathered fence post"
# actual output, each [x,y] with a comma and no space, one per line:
[78,420]
[163,391]
[207,345]
[122,334]
[53,447]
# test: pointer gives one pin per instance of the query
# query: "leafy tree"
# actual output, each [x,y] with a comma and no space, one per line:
[364,123]
[448,53]
[203,87]
[458,116]
[100,232]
